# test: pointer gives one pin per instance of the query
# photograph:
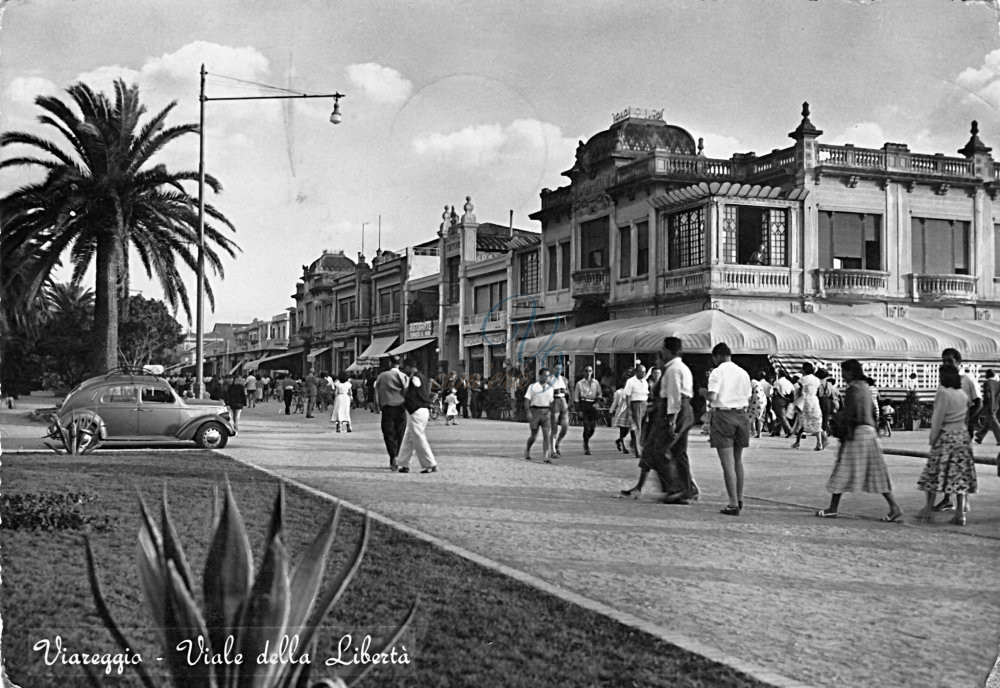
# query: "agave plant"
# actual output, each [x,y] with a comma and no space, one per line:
[242,610]
[83,432]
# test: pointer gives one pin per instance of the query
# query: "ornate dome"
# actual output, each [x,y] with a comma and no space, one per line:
[332,261]
[631,135]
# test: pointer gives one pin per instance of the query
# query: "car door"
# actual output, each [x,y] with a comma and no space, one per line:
[118,406]
[159,411]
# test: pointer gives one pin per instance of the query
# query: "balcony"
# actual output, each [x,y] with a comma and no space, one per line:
[937,288]
[898,159]
[753,279]
[486,322]
[386,319]
[318,285]
[854,283]
[592,282]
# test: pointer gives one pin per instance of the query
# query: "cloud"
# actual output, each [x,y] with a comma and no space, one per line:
[24,90]
[720,146]
[381,84]
[486,144]
[983,82]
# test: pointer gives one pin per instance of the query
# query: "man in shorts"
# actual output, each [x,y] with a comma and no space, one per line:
[560,411]
[539,401]
[729,393]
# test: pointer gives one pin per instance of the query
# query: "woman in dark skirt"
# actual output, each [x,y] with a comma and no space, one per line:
[860,466]
[236,399]
[950,467]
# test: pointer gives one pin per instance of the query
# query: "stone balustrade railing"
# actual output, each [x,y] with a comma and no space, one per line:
[943,287]
[385,319]
[497,320]
[899,160]
[752,278]
[591,281]
[852,282]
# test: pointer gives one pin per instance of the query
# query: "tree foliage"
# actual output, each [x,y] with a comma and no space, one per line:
[102,200]
[146,328]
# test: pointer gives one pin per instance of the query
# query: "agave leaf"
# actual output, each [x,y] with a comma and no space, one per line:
[151,575]
[184,624]
[215,509]
[228,573]
[298,675]
[391,642]
[105,614]
[307,576]
[172,549]
[264,618]
[274,529]
[337,587]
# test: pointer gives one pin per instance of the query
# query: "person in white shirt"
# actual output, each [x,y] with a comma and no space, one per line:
[251,388]
[781,395]
[637,394]
[560,411]
[539,401]
[729,395]
[585,394]
[665,450]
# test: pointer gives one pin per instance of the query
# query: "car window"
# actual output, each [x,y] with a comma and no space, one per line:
[119,394]
[156,395]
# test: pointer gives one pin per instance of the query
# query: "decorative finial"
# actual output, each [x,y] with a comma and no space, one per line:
[468,217]
[805,110]
[468,204]
[805,129]
[444,215]
[974,146]
[701,146]
[975,128]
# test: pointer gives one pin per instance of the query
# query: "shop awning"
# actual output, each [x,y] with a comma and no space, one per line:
[252,365]
[408,346]
[277,357]
[236,367]
[356,368]
[377,348]
[314,353]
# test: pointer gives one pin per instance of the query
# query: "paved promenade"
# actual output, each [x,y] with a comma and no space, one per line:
[845,602]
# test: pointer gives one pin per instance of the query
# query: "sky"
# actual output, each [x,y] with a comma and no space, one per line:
[486,99]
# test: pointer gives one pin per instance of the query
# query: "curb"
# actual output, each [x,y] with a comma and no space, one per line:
[685,643]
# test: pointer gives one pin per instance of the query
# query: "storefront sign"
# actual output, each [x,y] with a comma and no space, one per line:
[421,329]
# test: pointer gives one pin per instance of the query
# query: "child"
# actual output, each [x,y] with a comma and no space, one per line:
[451,404]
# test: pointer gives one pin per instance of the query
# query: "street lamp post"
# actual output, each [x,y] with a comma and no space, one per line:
[335,118]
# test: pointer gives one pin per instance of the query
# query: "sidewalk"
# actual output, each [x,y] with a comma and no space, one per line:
[845,602]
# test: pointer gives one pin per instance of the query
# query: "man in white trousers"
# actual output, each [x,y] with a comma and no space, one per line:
[416,400]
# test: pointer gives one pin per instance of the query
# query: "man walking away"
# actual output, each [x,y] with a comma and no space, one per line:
[539,399]
[416,400]
[251,388]
[311,388]
[586,394]
[729,392]
[390,389]
[560,412]
[991,404]
[782,395]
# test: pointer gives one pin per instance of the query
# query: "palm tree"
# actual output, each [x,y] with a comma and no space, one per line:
[101,199]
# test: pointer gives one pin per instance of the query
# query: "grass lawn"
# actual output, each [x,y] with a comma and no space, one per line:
[474,627]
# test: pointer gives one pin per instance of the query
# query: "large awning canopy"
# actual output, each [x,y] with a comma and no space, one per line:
[408,346]
[277,357]
[808,335]
[315,353]
[377,349]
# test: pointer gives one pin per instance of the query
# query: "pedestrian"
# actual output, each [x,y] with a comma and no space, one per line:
[585,396]
[758,402]
[671,417]
[324,391]
[950,467]
[251,387]
[416,400]
[637,393]
[560,410]
[991,404]
[860,466]
[451,408]
[951,357]
[538,397]
[829,398]
[621,415]
[310,387]
[462,395]
[782,395]
[810,419]
[729,396]
[390,390]
[236,399]
[286,391]
[341,414]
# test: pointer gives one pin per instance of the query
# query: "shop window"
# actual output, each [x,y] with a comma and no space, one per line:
[940,247]
[481,299]
[850,241]
[564,249]
[552,278]
[594,243]
[529,273]
[625,252]
[754,236]
[686,239]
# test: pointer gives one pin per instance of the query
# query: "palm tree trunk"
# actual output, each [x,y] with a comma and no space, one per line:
[106,304]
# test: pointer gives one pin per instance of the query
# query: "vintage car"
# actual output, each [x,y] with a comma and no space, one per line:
[143,408]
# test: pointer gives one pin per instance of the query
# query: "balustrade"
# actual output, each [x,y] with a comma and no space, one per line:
[852,282]
[384,319]
[497,320]
[753,278]
[592,281]
[943,287]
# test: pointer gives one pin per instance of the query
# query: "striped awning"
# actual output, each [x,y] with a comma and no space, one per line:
[314,353]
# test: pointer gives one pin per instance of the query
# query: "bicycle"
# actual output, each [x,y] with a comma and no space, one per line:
[435,407]
[298,403]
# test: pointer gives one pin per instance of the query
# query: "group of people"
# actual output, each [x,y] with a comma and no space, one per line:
[403,396]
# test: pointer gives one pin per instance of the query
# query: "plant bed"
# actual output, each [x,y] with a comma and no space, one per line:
[473,626]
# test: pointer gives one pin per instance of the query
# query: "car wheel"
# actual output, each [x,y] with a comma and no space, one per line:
[211,435]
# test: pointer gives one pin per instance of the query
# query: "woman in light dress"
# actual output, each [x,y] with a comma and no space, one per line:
[758,402]
[810,417]
[621,415]
[860,466]
[342,393]
[950,467]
